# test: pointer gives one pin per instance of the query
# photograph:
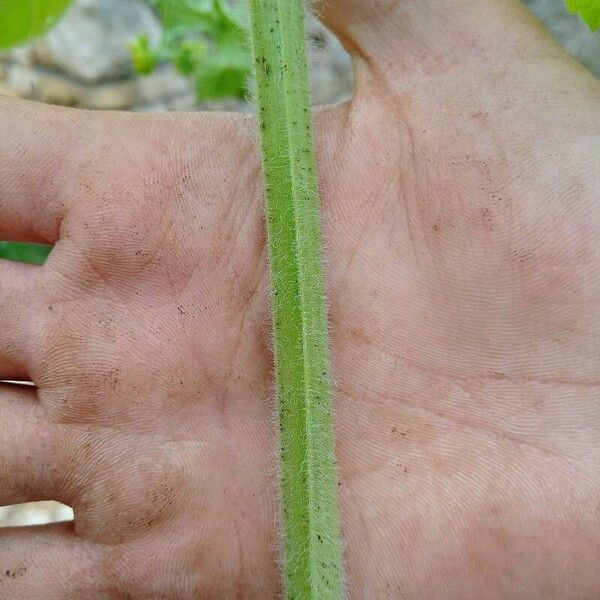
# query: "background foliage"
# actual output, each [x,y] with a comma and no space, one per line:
[29,253]
[206,40]
[26,19]
[588,10]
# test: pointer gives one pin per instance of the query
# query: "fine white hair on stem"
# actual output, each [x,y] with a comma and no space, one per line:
[312,547]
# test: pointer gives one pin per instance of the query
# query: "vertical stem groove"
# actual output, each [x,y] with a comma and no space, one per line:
[311,530]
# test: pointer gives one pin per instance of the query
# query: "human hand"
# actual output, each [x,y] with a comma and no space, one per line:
[460,215]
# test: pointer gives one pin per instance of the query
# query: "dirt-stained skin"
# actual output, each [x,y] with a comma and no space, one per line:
[461,223]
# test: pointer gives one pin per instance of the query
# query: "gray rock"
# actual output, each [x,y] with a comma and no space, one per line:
[331,66]
[91,42]
[570,31]
[85,60]
[55,88]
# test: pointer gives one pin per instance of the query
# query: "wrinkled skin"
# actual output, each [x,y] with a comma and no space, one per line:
[462,218]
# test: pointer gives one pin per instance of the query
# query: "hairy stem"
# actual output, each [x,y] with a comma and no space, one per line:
[311,531]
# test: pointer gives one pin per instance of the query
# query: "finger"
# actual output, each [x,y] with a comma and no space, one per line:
[47,562]
[18,302]
[39,147]
[31,449]
[424,36]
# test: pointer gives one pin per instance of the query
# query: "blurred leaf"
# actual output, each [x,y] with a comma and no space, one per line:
[215,79]
[143,56]
[203,39]
[26,19]
[588,10]
[210,16]
[28,253]
[189,56]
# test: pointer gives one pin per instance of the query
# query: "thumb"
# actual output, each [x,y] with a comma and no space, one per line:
[354,21]
[399,38]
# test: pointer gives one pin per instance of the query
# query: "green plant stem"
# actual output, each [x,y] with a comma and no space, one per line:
[311,530]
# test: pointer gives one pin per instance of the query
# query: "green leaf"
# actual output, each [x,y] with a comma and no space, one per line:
[224,72]
[188,57]
[142,55]
[28,253]
[311,529]
[209,16]
[588,10]
[203,39]
[26,19]
[216,79]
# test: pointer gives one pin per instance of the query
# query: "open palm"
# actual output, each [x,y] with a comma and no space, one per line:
[461,219]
